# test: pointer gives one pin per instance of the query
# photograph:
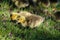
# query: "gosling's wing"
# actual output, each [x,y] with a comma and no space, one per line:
[39,21]
[35,20]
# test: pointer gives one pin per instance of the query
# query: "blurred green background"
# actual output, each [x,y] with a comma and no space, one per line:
[49,30]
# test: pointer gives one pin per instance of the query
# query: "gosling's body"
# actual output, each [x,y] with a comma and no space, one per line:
[28,19]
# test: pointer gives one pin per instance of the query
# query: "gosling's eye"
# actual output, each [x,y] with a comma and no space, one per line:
[18,17]
[10,15]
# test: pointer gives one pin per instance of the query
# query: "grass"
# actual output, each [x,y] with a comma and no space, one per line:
[49,30]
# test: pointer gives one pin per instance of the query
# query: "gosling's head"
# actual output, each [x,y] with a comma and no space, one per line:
[22,20]
[13,16]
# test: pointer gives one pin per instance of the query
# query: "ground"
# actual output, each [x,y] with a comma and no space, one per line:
[48,30]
